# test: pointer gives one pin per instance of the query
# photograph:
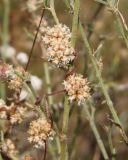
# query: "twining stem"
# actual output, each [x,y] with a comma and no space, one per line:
[90,117]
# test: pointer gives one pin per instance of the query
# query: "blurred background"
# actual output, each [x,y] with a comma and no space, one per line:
[100,26]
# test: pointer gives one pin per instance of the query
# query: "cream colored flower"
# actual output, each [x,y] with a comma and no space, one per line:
[77,88]
[57,41]
[16,78]
[9,148]
[3,114]
[15,83]
[39,132]
[18,115]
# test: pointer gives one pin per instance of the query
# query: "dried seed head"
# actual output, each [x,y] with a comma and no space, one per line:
[77,88]
[39,132]
[57,41]
[8,147]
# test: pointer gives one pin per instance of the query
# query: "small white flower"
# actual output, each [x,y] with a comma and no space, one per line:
[39,131]
[57,42]
[36,82]
[7,51]
[77,88]
[22,57]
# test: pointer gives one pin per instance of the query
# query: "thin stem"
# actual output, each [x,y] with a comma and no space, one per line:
[121,27]
[99,77]
[64,147]
[45,151]
[1,157]
[112,148]
[5,35]
[48,83]
[33,45]
[52,9]
[90,117]
[75,22]
[5,40]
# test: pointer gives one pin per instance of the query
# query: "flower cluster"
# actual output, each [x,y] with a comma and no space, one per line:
[15,114]
[3,108]
[77,88]
[18,115]
[57,41]
[8,147]
[40,131]
[14,76]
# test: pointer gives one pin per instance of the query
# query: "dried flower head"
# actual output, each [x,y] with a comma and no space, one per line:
[77,88]
[57,41]
[40,131]
[9,148]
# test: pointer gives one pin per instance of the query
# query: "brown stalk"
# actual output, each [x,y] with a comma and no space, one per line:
[33,45]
